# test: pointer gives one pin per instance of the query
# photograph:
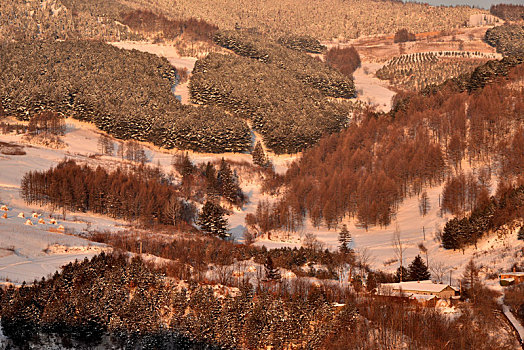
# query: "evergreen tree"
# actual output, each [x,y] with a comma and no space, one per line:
[418,271]
[405,275]
[212,220]
[182,163]
[344,238]
[471,281]
[371,282]
[259,156]
[210,174]
[455,234]
[520,235]
[272,272]
[228,183]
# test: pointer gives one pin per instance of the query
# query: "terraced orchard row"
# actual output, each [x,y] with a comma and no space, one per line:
[417,71]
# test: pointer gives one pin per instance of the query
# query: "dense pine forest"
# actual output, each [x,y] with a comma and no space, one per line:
[489,215]
[126,93]
[22,20]
[303,67]
[103,19]
[289,114]
[508,39]
[508,11]
[152,237]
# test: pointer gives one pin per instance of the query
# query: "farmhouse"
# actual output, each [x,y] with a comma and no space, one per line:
[507,278]
[418,288]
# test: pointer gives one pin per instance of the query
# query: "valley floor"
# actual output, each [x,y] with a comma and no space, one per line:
[493,253]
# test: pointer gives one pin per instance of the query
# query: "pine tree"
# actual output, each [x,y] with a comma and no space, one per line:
[405,274]
[344,238]
[212,220]
[418,271]
[228,183]
[210,174]
[259,156]
[272,272]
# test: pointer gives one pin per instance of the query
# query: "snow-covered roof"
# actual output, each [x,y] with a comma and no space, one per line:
[422,286]
[513,273]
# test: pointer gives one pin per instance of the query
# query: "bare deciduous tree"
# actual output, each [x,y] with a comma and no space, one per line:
[438,269]
[172,209]
[423,204]
[398,247]
[363,259]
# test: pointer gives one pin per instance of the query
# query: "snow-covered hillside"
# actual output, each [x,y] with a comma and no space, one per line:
[28,252]
[23,248]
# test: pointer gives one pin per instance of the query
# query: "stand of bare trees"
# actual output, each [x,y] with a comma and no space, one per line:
[132,195]
[367,169]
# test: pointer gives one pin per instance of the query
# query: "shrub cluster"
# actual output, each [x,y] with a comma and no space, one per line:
[125,93]
[304,43]
[290,115]
[302,66]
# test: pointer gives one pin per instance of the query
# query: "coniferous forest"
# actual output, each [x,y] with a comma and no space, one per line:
[126,93]
[288,113]
[284,242]
[488,216]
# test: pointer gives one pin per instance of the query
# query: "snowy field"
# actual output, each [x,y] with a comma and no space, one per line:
[372,90]
[29,252]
